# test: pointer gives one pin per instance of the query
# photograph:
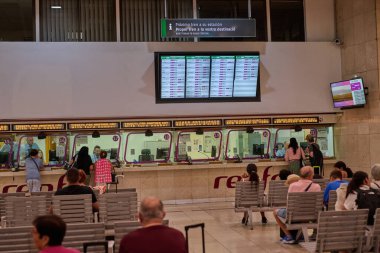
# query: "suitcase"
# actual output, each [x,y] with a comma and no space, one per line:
[202,226]
[91,244]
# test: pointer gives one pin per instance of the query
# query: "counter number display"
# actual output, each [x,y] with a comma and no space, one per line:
[93,125]
[198,123]
[38,127]
[207,77]
[299,120]
[146,124]
[247,122]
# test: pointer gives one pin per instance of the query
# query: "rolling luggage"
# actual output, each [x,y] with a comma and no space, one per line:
[202,226]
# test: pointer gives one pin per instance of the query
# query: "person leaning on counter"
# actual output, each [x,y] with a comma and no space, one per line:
[33,165]
[294,155]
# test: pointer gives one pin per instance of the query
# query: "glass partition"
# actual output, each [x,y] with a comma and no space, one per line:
[108,142]
[205,146]
[52,149]
[6,151]
[283,136]
[325,140]
[147,149]
[246,145]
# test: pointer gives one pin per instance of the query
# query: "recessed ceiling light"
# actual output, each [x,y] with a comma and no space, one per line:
[56,7]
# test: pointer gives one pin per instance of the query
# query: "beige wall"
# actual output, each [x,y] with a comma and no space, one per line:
[358,131]
[319,20]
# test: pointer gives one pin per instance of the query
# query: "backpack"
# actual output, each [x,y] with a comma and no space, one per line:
[317,159]
[368,199]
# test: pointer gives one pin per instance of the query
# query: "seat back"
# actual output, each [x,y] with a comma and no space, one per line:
[79,233]
[118,207]
[121,190]
[249,194]
[5,195]
[73,208]
[48,197]
[17,240]
[277,193]
[304,206]
[322,182]
[332,200]
[341,230]
[123,228]
[21,211]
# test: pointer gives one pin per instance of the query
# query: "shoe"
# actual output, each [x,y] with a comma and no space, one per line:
[244,220]
[288,240]
[264,220]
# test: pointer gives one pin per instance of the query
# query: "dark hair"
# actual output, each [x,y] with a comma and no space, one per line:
[82,176]
[72,176]
[293,144]
[284,173]
[103,154]
[252,172]
[357,180]
[33,152]
[97,146]
[340,165]
[51,226]
[82,156]
[336,174]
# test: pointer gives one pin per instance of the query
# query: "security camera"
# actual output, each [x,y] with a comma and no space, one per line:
[338,42]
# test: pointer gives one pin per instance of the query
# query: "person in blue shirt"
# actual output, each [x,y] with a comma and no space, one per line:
[335,182]
[95,154]
[26,148]
[280,153]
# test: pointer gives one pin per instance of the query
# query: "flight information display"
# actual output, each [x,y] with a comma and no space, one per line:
[207,77]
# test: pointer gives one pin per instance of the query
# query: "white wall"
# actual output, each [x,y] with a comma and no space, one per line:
[80,80]
[320,20]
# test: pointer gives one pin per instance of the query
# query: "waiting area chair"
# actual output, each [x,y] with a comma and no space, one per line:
[79,234]
[17,240]
[73,208]
[277,194]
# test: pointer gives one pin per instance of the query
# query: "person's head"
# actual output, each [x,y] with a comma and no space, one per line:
[72,176]
[97,150]
[252,172]
[293,144]
[335,175]
[40,154]
[83,151]
[103,154]
[284,173]
[375,171]
[286,145]
[309,138]
[344,174]
[359,179]
[34,153]
[82,176]
[307,172]
[292,178]
[151,211]
[48,230]
[30,140]
[340,165]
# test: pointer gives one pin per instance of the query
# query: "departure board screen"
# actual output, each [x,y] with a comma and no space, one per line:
[207,77]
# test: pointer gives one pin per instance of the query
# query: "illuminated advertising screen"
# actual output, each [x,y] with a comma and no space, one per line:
[348,94]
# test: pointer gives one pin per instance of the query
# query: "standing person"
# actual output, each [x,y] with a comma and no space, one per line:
[83,161]
[252,177]
[95,154]
[153,236]
[315,154]
[48,232]
[294,155]
[103,169]
[33,165]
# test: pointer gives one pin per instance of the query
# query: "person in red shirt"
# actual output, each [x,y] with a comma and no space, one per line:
[103,169]
[48,233]
[153,237]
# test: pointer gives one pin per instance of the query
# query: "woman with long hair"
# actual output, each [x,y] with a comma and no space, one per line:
[252,177]
[103,169]
[294,155]
[340,165]
[360,181]
[83,161]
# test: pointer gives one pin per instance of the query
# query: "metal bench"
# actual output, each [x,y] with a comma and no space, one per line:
[17,240]
[332,200]
[277,194]
[373,232]
[322,182]
[21,211]
[78,234]
[73,208]
[339,231]
[302,211]
[48,196]
[5,195]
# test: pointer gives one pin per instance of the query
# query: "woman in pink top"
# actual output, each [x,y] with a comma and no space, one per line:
[293,155]
[103,169]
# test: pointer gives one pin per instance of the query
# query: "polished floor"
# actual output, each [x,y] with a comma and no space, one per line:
[224,231]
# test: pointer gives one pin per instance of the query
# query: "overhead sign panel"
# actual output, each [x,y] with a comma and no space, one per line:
[298,120]
[188,28]
[5,127]
[247,122]
[38,127]
[146,124]
[94,125]
[198,123]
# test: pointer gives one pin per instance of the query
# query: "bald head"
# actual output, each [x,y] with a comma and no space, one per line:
[151,210]
[307,172]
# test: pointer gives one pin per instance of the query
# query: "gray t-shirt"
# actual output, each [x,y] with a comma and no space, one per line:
[32,172]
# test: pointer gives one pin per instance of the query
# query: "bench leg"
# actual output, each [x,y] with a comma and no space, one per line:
[305,234]
[250,215]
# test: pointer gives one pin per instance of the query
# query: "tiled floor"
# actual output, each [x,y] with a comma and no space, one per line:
[224,231]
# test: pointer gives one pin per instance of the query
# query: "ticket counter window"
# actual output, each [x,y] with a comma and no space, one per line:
[52,149]
[203,145]
[107,142]
[6,152]
[141,148]
[247,144]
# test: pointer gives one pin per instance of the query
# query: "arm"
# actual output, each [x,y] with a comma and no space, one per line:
[287,156]
[326,195]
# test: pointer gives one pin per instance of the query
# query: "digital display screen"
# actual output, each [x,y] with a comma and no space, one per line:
[207,77]
[349,93]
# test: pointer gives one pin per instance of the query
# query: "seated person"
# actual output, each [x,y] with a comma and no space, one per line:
[48,233]
[375,173]
[154,236]
[333,185]
[283,174]
[305,184]
[281,149]
[75,188]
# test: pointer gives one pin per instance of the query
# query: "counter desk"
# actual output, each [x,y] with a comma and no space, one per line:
[178,183]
